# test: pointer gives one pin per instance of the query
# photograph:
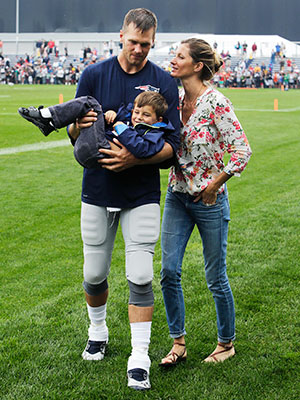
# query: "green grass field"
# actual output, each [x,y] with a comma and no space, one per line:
[43,319]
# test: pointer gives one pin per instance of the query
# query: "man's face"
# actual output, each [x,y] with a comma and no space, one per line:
[136,44]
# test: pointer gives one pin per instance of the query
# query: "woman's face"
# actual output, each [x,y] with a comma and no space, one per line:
[182,64]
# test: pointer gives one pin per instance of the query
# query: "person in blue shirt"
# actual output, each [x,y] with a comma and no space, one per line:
[144,138]
[126,182]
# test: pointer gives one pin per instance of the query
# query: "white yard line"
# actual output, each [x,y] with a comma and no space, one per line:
[35,147]
[264,110]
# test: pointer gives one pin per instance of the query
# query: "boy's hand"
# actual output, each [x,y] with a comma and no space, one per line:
[110,116]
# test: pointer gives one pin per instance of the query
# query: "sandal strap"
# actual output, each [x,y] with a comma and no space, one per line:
[213,355]
[173,355]
[225,345]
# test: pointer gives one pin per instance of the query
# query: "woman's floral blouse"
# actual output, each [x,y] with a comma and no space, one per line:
[211,130]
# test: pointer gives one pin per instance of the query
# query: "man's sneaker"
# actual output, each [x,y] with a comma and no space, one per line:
[94,350]
[138,379]
[33,115]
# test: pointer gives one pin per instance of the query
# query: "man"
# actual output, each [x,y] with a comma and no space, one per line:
[126,189]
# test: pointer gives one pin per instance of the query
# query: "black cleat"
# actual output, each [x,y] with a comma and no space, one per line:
[33,115]
[138,379]
[94,350]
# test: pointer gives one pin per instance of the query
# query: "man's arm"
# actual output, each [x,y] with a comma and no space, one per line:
[123,159]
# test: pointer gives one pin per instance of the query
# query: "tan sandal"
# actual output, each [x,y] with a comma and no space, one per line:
[173,358]
[221,355]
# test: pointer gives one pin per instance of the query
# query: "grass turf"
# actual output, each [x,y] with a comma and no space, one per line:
[43,319]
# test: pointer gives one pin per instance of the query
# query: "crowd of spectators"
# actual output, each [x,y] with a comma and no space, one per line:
[47,66]
[280,72]
[249,74]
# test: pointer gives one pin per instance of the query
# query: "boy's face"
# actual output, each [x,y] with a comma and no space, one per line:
[144,114]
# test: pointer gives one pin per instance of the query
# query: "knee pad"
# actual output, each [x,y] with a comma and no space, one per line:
[141,295]
[140,228]
[96,264]
[139,267]
[95,290]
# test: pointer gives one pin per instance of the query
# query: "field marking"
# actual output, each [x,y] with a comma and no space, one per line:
[264,110]
[34,147]
[9,113]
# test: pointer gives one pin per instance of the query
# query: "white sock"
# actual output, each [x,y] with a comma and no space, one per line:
[45,112]
[98,330]
[140,340]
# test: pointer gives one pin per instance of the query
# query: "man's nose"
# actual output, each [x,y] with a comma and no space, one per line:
[138,48]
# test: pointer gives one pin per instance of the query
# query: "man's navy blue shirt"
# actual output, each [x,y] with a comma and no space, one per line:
[111,86]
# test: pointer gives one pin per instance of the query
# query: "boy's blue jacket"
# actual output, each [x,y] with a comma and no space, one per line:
[143,140]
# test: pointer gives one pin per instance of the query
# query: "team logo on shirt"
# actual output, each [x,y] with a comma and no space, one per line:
[148,88]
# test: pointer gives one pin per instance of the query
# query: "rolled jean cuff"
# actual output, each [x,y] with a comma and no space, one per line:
[226,340]
[177,335]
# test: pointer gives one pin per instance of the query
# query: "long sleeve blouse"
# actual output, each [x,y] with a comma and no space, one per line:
[212,130]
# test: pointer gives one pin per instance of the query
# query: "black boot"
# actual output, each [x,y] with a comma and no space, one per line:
[34,115]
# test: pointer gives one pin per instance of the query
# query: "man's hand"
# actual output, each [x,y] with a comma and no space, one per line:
[119,159]
[87,120]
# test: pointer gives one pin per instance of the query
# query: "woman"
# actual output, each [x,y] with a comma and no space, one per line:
[197,195]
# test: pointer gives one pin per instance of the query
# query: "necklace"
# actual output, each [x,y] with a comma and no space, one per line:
[191,104]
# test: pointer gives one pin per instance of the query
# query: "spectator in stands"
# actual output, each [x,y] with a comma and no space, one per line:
[276,79]
[282,63]
[273,55]
[245,46]
[289,65]
[278,50]
[1,46]
[50,46]
[254,48]
[238,47]
[257,78]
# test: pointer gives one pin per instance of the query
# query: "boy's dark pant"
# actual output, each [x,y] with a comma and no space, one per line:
[90,139]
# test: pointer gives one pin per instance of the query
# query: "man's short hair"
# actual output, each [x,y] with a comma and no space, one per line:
[154,100]
[142,18]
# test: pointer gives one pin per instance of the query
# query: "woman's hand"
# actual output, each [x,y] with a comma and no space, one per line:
[208,195]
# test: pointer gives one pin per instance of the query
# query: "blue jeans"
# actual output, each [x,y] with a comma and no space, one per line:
[181,214]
